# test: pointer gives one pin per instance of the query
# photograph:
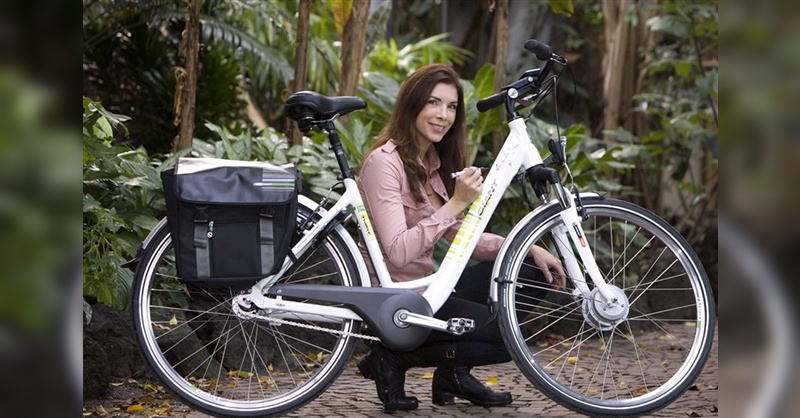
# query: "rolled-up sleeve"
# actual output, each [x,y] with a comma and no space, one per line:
[382,181]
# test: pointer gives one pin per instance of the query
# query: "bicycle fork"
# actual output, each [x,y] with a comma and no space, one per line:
[605,305]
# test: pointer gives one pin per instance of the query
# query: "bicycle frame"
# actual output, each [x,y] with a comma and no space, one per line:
[517,151]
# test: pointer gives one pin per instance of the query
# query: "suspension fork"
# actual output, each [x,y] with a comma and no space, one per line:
[571,227]
[571,219]
[560,237]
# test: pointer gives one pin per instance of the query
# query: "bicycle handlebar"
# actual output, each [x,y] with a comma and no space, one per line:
[542,50]
[491,102]
[544,53]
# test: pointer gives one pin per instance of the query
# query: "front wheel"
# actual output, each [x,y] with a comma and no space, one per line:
[604,365]
[234,365]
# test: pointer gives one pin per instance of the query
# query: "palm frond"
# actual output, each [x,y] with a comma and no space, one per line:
[434,49]
[268,59]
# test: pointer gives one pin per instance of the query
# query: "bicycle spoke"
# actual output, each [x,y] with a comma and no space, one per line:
[651,283]
[558,319]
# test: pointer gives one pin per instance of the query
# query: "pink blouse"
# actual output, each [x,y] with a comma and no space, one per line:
[406,230]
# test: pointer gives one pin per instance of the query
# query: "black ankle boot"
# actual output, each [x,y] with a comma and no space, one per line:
[457,381]
[365,366]
[389,372]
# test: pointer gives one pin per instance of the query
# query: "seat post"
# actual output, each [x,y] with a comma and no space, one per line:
[338,150]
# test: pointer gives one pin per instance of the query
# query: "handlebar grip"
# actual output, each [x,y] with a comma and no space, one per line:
[491,101]
[541,49]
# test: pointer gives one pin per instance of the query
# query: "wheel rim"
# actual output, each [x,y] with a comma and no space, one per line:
[223,363]
[638,363]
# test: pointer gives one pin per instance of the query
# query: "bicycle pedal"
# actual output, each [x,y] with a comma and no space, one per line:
[459,326]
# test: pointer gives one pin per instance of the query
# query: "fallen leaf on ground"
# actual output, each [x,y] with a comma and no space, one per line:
[135,409]
[151,388]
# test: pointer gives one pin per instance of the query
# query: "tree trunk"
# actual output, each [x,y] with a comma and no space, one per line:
[619,66]
[300,64]
[186,77]
[500,45]
[623,78]
[354,38]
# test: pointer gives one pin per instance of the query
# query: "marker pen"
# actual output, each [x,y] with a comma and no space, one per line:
[458,173]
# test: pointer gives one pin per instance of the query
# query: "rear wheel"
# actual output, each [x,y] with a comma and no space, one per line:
[232,365]
[623,363]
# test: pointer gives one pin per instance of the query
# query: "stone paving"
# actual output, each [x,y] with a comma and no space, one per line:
[353,396]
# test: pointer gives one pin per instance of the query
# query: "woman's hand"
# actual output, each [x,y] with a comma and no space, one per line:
[468,187]
[551,267]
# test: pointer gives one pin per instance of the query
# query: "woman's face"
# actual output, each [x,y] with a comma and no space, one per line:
[438,115]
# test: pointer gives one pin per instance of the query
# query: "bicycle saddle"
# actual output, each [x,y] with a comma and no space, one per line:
[305,104]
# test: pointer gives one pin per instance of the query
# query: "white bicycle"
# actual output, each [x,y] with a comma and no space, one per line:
[627,336]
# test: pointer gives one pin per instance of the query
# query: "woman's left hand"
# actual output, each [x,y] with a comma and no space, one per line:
[551,267]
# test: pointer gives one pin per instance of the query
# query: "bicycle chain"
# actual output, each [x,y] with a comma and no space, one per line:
[251,315]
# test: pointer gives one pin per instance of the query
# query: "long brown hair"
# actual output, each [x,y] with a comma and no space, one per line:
[401,129]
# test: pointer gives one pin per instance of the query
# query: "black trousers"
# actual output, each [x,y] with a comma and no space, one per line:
[484,345]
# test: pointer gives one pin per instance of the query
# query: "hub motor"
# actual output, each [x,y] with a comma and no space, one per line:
[605,315]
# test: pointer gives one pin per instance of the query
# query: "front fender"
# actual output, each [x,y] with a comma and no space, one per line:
[506,247]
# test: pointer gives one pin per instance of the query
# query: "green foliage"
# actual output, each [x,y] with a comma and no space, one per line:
[480,125]
[387,58]
[681,102]
[271,66]
[356,139]
[562,7]
[482,86]
[380,91]
[122,202]
[131,51]
[591,159]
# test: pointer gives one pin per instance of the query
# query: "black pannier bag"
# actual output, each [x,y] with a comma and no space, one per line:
[231,221]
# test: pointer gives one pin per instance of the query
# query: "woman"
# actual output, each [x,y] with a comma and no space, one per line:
[413,201]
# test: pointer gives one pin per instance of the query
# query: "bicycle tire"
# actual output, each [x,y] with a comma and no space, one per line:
[627,367]
[225,365]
